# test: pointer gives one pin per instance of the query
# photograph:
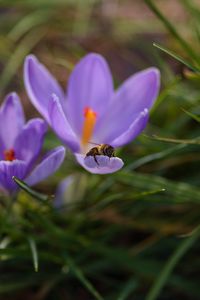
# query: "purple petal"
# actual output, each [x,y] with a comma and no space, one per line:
[2,149]
[29,142]
[135,128]
[105,164]
[40,85]
[61,190]
[11,120]
[8,169]
[60,124]
[90,85]
[135,94]
[48,166]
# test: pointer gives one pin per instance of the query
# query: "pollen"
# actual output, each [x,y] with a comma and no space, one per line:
[9,155]
[88,126]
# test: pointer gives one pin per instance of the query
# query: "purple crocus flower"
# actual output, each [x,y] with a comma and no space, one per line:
[91,112]
[63,193]
[20,145]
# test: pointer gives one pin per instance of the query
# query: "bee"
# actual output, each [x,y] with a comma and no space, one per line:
[101,149]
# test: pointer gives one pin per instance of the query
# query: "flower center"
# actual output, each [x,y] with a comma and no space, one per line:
[88,126]
[9,155]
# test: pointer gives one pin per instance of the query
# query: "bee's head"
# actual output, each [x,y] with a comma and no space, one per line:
[109,150]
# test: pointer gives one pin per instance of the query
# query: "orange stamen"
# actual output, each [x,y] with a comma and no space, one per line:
[88,125]
[9,155]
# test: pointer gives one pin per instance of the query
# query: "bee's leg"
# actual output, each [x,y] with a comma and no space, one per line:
[96,160]
[112,155]
[104,152]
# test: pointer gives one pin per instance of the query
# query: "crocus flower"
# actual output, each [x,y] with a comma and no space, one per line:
[67,195]
[63,193]
[20,145]
[91,112]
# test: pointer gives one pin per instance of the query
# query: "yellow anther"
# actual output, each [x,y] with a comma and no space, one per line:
[88,125]
[9,155]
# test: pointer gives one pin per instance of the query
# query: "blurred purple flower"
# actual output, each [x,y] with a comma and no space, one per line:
[62,195]
[92,112]
[20,146]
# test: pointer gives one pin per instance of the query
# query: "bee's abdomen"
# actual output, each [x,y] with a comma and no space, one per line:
[94,151]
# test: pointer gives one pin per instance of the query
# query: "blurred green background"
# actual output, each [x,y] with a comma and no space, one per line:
[133,234]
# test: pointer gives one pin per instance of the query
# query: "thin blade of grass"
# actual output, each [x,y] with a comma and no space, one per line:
[31,192]
[193,116]
[126,197]
[173,31]
[152,157]
[176,141]
[79,274]
[174,191]
[190,7]
[171,263]
[27,23]
[13,285]
[129,287]
[16,59]
[177,57]
[34,252]
[165,92]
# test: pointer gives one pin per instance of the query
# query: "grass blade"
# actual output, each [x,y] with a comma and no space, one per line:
[128,289]
[127,197]
[177,57]
[193,116]
[171,263]
[176,141]
[172,30]
[34,252]
[16,59]
[31,192]
[152,157]
[176,192]
[27,23]
[164,93]
[79,274]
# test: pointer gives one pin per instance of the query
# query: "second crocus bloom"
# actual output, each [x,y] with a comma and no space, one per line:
[91,112]
[20,146]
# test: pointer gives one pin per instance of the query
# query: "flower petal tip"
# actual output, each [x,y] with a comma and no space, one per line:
[61,151]
[93,56]
[29,62]
[100,164]
[30,58]
[155,73]
[40,84]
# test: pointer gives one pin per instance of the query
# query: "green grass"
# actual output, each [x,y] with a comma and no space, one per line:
[133,234]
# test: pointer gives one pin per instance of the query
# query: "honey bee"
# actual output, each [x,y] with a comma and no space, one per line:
[101,149]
